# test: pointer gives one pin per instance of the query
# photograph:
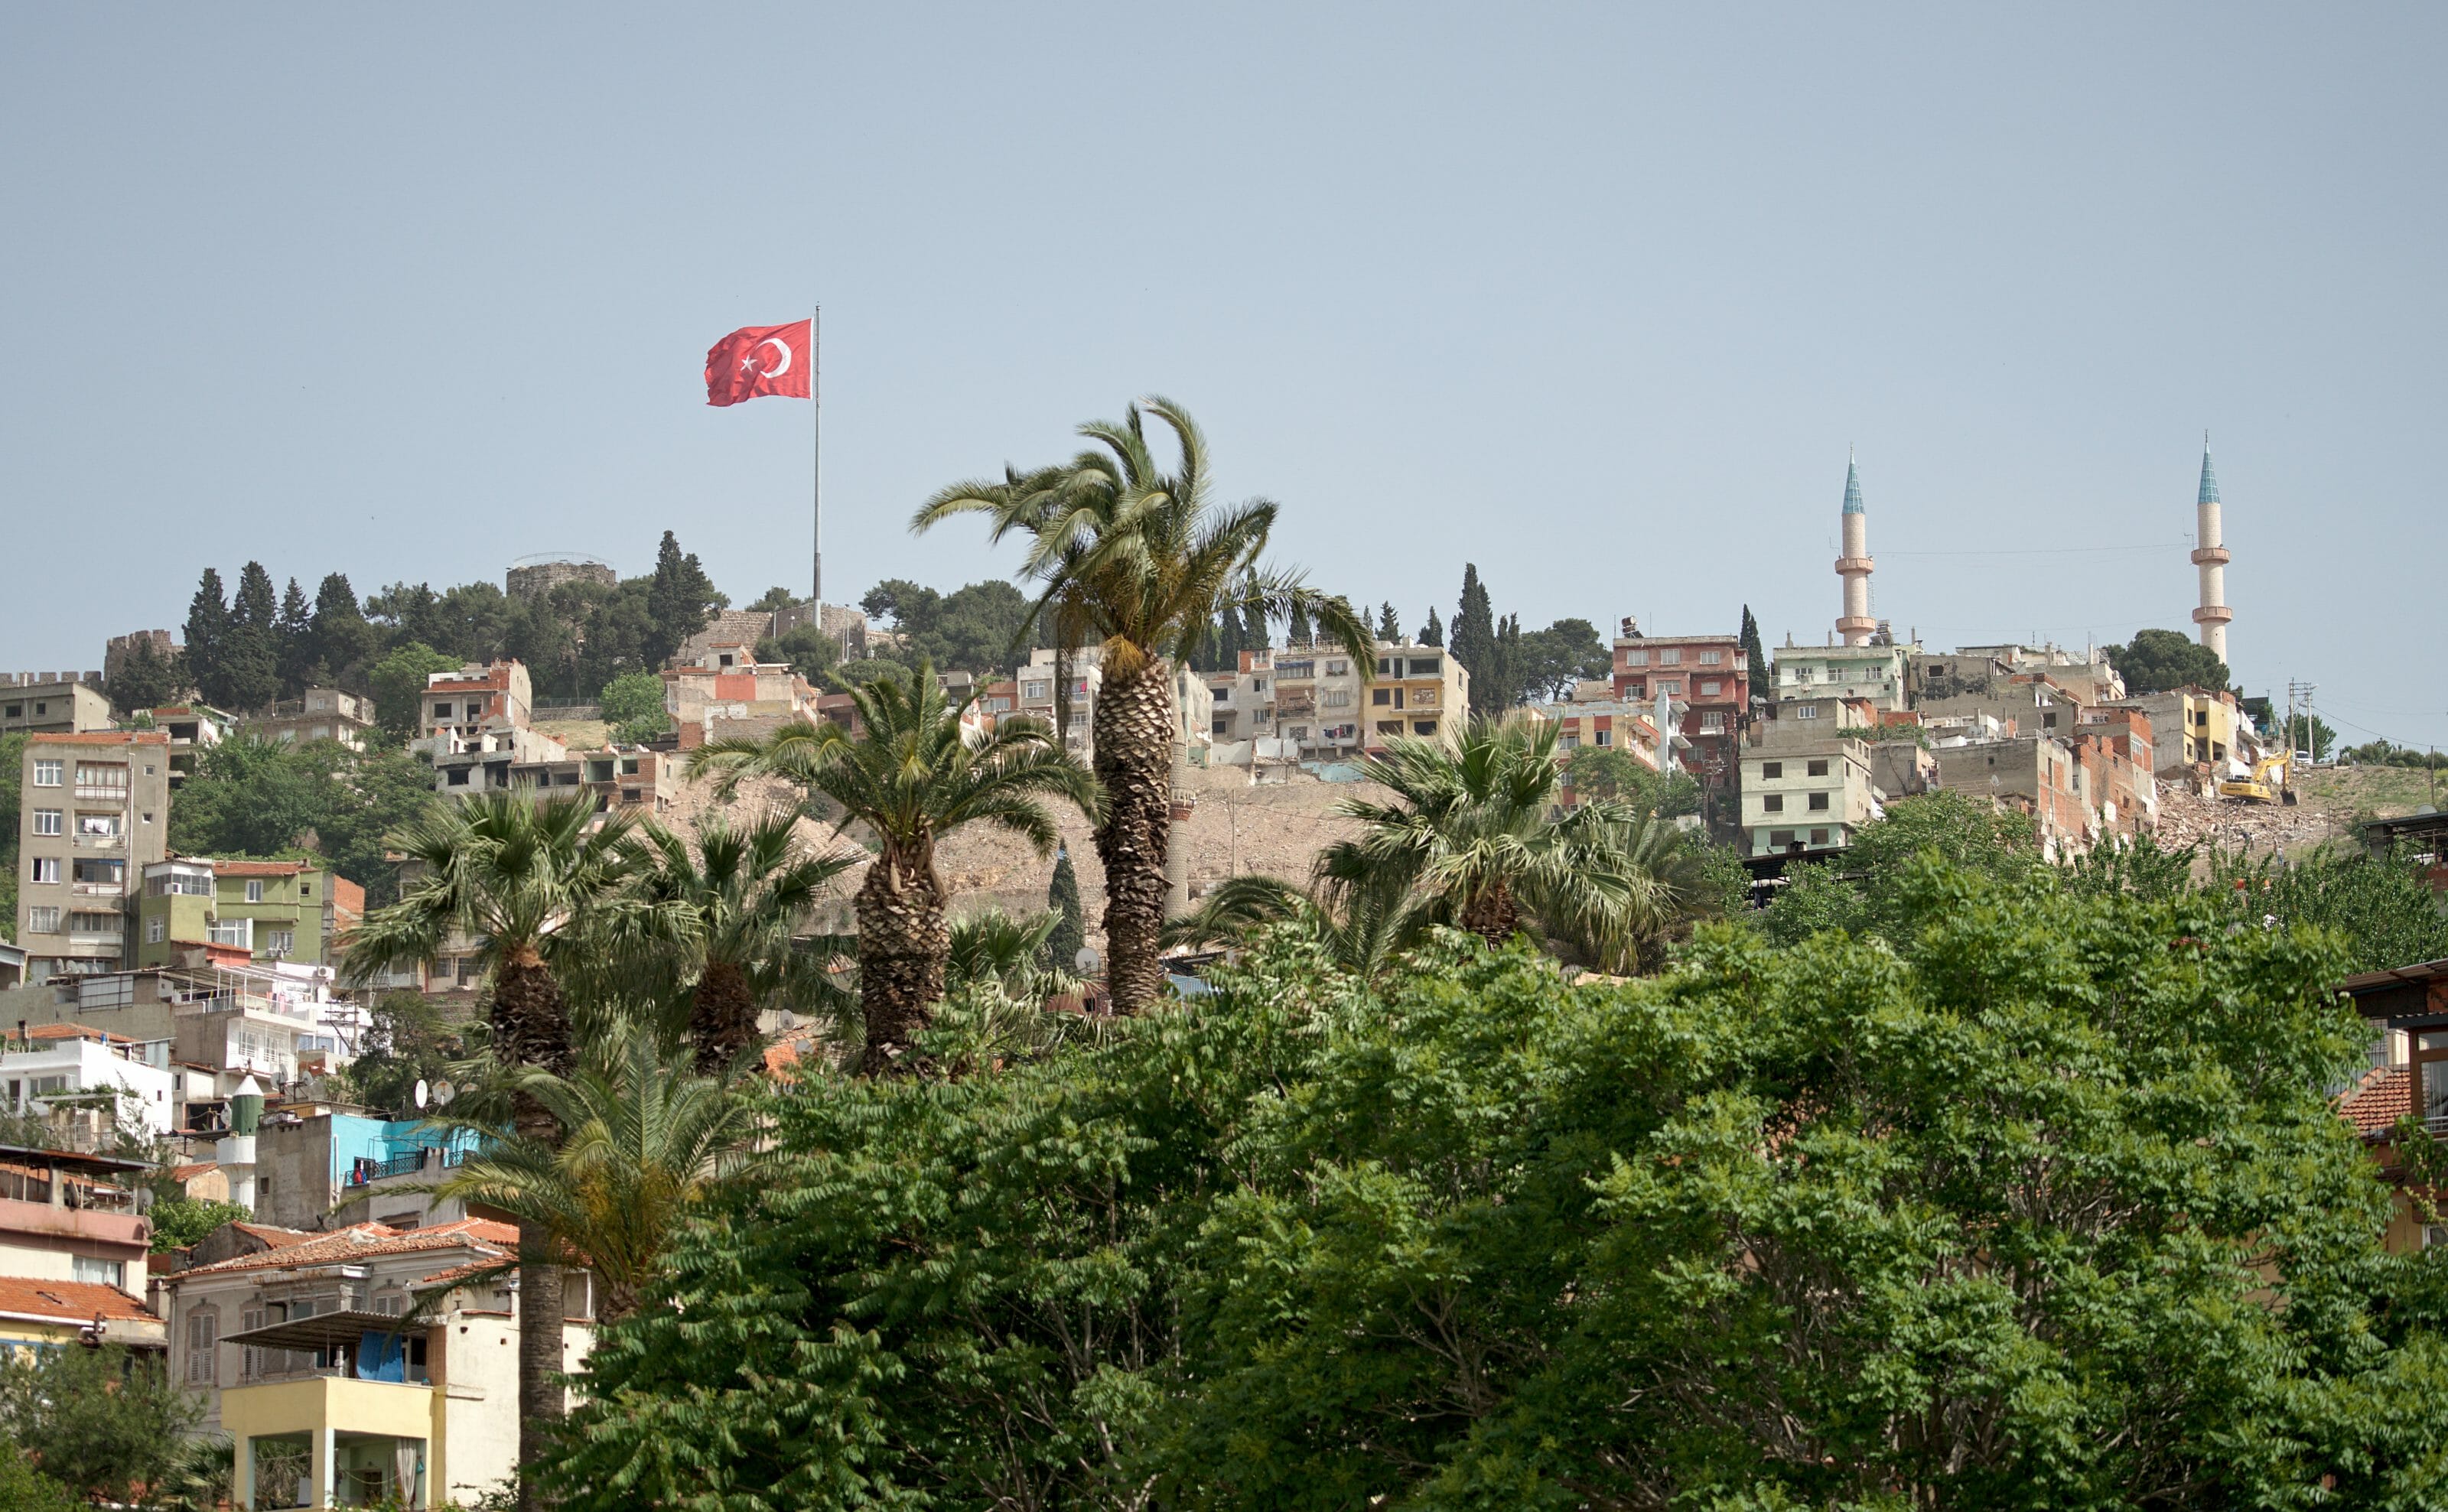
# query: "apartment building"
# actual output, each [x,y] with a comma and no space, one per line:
[193,730]
[52,703]
[1421,691]
[2086,674]
[94,809]
[2036,774]
[725,688]
[1875,674]
[273,910]
[311,1354]
[1036,688]
[2200,733]
[475,725]
[2026,702]
[322,714]
[72,1249]
[90,1082]
[1709,673]
[1601,721]
[1806,780]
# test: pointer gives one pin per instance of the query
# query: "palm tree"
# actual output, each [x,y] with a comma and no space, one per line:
[719,924]
[914,778]
[641,1135]
[1359,929]
[515,874]
[1139,561]
[1475,838]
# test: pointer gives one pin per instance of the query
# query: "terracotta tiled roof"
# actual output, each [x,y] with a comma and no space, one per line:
[278,1238]
[347,897]
[2383,1097]
[459,1274]
[68,1301]
[261,868]
[191,1171]
[363,1241]
[107,738]
[76,1031]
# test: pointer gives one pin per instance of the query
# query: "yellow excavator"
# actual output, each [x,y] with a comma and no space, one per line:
[2267,783]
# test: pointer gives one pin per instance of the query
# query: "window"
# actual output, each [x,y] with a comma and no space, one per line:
[457,776]
[1713,723]
[1670,656]
[1040,689]
[17,710]
[1772,803]
[1389,727]
[102,826]
[48,821]
[1711,658]
[1710,689]
[2049,720]
[1635,659]
[1606,736]
[441,711]
[47,869]
[1670,687]
[110,777]
[1381,697]
[99,874]
[1770,771]
[1337,669]
[47,774]
[1819,766]
[1806,711]
[109,924]
[100,1272]
[155,928]
[280,942]
[1818,837]
[204,1347]
[1336,698]
[43,921]
[1780,838]
[1819,803]
[233,931]
[1424,697]
[1423,727]
[1428,667]
[254,889]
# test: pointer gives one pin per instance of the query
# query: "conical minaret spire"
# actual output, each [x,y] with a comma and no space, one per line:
[1854,566]
[2210,558]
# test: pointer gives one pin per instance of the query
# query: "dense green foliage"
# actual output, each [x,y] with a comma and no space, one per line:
[1070,934]
[23,1488]
[100,1421]
[145,678]
[2156,660]
[265,798]
[805,648]
[1551,661]
[409,1039]
[983,629]
[1612,772]
[12,778]
[1993,1218]
[633,705]
[1863,892]
[179,1221]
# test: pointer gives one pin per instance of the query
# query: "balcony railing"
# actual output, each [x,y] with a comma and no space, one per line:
[102,842]
[99,890]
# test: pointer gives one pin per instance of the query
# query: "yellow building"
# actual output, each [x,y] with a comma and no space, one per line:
[1421,691]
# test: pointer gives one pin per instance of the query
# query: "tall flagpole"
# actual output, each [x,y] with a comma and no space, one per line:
[816,453]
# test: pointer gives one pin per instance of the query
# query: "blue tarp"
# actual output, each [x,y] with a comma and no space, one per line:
[382,1357]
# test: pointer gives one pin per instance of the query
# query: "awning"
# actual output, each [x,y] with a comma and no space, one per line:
[322,1331]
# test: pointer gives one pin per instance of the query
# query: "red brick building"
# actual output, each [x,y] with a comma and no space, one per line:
[1711,674]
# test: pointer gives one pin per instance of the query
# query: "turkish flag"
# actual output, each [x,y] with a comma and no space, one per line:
[754,361]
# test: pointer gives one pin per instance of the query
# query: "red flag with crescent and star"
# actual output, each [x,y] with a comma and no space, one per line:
[755,361]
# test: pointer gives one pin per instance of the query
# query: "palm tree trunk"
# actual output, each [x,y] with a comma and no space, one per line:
[903,938]
[1134,729]
[722,1017]
[531,1027]
[1492,914]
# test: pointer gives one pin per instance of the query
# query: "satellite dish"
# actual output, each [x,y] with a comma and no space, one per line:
[422,1091]
[443,1093]
[1086,962]
[786,1021]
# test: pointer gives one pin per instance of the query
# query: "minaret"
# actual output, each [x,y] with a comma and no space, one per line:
[2211,558]
[1854,565]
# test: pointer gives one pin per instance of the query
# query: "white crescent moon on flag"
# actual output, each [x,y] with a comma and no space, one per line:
[781,346]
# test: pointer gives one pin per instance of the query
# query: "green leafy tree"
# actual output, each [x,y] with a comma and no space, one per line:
[12,778]
[1070,935]
[1473,642]
[621,636]
[717,926]
[178,1222]
[1359,929]
[105,1423]
[1298,631]
[524,876]
[1139,560]
[342,642]
[633,705]
[145,678]
[1475,838]
[775,599]
[809,652]
[1866,892]
[23,1488]
[1612,772]
[2380,909]
[409,1039]
[399,682]
[249,798]
[642,1136]
[679,602]
[207,629]
[911,779]
[1552,659]
[2156,660]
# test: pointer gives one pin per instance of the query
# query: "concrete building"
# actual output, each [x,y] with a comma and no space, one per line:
[1421,691]
[314,1162]
[726,692]
[1944,674]
[305,1354]
[1806,781]
[193,730]
[477,724]
[274,911]
[1602,722]
[1854,565]
[322,714]
[2210,559]
[52,703]
[1037,687]
[1711,675]
[1879,673]
[95,809]
[72,1249]
[2026,702]
[90,1083]
[2034,775]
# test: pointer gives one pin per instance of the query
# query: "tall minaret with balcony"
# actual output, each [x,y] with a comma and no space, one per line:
[2209,555]
[1854,565]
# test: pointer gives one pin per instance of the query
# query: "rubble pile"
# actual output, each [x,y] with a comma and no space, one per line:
[2187,818]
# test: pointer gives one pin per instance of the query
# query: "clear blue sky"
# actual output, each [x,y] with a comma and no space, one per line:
[1595,297]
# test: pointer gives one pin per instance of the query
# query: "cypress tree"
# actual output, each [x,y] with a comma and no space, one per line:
[1254,629]
[1062,895]
[1472,641]
[1758,654]
[679,604]
[1299,633]
[208,620]
[250,653]
[293,630]
[343,642]
[1432,633]
[1389,628]
[1508,674]
[1228,640]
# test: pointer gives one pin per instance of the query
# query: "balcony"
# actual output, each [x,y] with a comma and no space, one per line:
[102,842]
[101,793]
[98,889]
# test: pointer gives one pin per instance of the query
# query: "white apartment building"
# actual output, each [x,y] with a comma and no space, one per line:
[88,1081]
